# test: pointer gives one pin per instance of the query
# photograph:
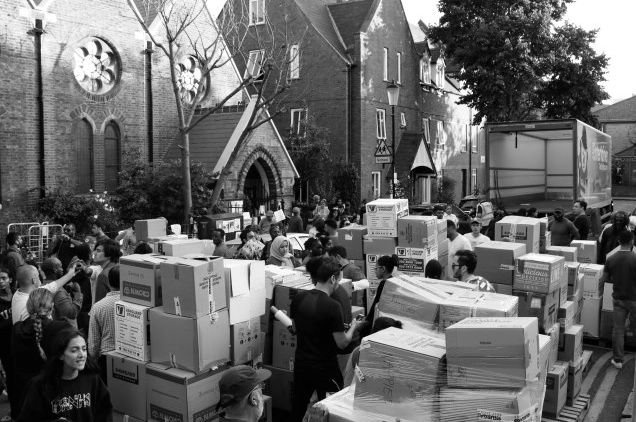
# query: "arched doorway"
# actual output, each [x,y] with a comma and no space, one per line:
[259,189]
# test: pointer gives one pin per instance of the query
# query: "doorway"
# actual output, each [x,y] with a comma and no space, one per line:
[259,191]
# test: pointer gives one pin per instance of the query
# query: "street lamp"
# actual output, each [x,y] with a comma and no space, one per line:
[393,92]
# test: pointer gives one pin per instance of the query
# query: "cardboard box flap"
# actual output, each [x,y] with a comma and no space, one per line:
[181,376]
[410,341]
[237,275]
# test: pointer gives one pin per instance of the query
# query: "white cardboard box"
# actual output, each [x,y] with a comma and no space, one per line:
[382,216]
[127,384]
[131,330]
[591,316]
[181,247]
[586,250]
[140,279]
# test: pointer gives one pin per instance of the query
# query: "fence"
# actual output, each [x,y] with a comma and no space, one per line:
[36,237]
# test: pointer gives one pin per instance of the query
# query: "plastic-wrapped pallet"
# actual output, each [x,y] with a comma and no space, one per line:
[476,304]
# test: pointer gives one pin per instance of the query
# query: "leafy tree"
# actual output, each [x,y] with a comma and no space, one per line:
[518,60]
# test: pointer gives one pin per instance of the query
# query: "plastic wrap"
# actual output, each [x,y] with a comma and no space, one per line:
[476,304]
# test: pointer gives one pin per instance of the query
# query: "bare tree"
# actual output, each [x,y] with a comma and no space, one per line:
[197,45]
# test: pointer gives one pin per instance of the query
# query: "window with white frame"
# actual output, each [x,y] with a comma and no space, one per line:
[380,120]
[440,136]
[473,180]
[426,130]
[294,62]
[439,74]
[255,63]
[425,70]
[298,121]
[376,182]
[399,68]
[385,64]
[474,133]
[464,136]
[257,12]
[402,120]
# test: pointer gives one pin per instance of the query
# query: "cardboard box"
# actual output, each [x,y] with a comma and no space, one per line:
[156,243]
[417,231]
[244,279]
[371,264]
[575,378]
[280,387]
[350,238]
[554,331]
[608,301]
[476,304]
[517,229]
[545,348]
[507,348]
[140,279]
[496,261]
[131,330]
[387,376]
[177,395]
[275,275]
[569,253]
[378,245]
[563,294]
[188,343]
[246,341]
[571,344]
[147,229]
[572,270]
[193,287]
[545,242]
[566,315]
[540,305]
[382,216]
[412,261]
[284,347]
[592,285]
[127,384]
[285,293]
[586,250]
[181,247]
[591,316]
[479,405]
[538,273]
[503,289]
[556,389]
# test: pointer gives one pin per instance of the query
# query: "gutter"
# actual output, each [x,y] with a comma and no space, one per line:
[37,33]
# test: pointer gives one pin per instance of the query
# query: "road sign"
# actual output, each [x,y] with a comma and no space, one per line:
[382,150]
[383,160]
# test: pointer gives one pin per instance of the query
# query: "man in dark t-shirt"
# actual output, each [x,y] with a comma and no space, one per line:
[620,269]
[320,332]
[581,220]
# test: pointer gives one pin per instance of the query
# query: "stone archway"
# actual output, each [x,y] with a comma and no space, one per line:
[259,182]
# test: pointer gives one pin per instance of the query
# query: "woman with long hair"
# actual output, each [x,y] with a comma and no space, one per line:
[69,387]
[32,339]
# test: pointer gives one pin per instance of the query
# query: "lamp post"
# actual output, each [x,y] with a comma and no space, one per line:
[393,92]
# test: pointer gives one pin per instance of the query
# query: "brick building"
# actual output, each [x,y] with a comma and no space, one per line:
[349,51]
[104,90]
[619,121]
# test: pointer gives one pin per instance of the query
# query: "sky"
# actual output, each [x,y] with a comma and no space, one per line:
[613,18]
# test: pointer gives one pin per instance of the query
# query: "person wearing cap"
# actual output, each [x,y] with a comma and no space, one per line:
[561,229]
[266,222]
[475,237]
[295,222]
[241,391]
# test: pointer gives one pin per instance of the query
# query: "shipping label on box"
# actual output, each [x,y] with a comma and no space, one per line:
[140,279]
[586,250]
[496,261]
[131,330]
[284,350]
[519,230]
[538,273]
[556,388]
[417,231]
[592,284]
[246,341]
[413,260]
[382,216]
[569,253]
[374,282]
[127,384]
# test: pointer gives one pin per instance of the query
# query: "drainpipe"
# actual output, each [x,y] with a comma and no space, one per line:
[348,96]
[149,106]
[37,33]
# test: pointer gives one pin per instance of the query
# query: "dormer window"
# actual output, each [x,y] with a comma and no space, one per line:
[425,70]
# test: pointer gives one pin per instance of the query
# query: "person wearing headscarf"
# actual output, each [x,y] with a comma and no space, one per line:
[280,254]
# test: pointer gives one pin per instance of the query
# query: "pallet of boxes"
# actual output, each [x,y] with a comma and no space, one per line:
[183,318]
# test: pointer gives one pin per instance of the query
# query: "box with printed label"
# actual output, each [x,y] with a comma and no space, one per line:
[378,245]
[127,384]
[148,229]
[188,343]
[540,305]
[371,264]
[284,349]
[193,287]
[566,315]
[132,337]
[413,260]
[177,395]
[554,332]
[506,348]
[246,341]
[571,344]
[476,304]
[569,253]
[608,301]
[556,389]
[180,247]
[399,373]
[350,238]
[575,377]
[517,229]
[140,279]
[275,275]
[382,216]
[538,273]
[280,386]
[586,250]
[417,231]
[496,261]
[572,270]
[591,316]
[592,284]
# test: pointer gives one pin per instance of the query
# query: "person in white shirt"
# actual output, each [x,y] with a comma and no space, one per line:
[475,237]
[456,243]
[448,215]
[28,279]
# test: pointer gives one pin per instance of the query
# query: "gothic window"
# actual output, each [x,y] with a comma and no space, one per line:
[96,66]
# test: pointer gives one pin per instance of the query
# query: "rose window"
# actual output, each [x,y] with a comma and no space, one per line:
[96,67]
[190,80]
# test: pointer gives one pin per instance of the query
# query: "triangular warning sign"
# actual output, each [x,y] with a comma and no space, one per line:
[382,150]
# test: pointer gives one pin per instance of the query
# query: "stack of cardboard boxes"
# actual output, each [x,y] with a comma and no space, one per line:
[592,298]
[496,263]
